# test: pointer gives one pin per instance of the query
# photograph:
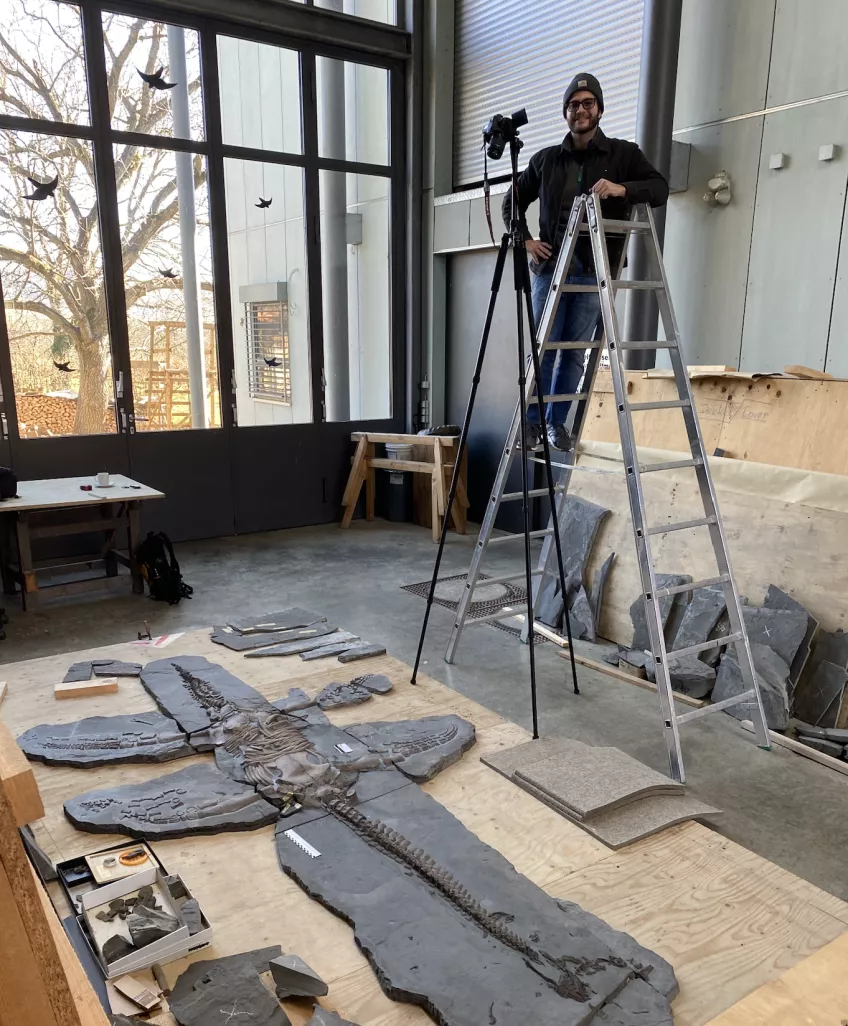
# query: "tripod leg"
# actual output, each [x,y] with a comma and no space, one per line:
[463,441]
[519,258]
[534,354]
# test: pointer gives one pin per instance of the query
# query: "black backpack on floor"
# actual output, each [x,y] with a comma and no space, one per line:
[160,569]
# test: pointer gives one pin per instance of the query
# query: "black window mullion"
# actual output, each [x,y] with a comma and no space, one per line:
[397,245]
[109,220]
[210,87]
[312,205]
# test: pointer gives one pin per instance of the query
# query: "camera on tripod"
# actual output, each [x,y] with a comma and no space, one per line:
[500,130]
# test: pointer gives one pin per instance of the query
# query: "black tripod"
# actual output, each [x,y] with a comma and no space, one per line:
[521,274]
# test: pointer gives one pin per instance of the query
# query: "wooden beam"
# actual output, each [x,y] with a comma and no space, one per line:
[410,465]
[18,781]
[82,688]
[397,439]
[355,481]
[370,482]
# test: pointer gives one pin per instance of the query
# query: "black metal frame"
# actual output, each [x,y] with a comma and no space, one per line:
[310,31]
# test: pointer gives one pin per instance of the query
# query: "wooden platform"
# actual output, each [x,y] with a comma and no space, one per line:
[727,920]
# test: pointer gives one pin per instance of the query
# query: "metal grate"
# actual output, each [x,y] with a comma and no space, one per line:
[268,360]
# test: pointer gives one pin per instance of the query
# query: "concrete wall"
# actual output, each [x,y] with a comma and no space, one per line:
[260,99]
[761,283]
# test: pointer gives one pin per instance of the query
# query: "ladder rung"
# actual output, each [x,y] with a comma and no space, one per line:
[570,466]
[705,646]
[678,589]
[533,493]
[683,525]
[622,283]
[503,578]
[649,468]
[612,227]
[658,344]
[566,397]
[726,703]
[661,404]
[572,345]
[504,613]
[519,537]
[579,288]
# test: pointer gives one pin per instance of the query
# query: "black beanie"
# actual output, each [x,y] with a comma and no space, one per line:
[584,81]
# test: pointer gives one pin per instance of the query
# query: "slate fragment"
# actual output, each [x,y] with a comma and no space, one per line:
[772,675]
[294,978]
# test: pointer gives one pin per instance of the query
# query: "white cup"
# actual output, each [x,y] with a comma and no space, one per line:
[103,479]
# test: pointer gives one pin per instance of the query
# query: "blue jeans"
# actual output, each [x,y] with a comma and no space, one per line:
[575,321]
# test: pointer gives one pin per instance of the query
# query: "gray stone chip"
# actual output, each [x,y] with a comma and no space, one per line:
[294,978]
[358,652]
[341,694]
[147,925]
[772,675]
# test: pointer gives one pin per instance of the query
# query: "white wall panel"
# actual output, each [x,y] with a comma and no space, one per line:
[810,50]
[724,59]
[797,226]
[707,248]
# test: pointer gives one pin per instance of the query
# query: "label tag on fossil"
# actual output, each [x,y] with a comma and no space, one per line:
[294,836]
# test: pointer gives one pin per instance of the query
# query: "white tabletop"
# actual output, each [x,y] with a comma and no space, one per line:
[62,492]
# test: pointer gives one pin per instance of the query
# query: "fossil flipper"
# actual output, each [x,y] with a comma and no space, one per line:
[419,748]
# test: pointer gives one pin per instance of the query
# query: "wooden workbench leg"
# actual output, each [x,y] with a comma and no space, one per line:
[134,538]
[106,512]
[434,507]
[29,582]
[460,507]
[8,555]
[358,473]
[370,482]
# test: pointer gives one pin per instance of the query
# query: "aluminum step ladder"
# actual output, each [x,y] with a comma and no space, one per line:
[586,216]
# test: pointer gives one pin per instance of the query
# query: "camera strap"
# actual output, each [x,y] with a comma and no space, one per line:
[487,195]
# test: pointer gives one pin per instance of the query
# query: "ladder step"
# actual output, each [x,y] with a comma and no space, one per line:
[505,613]
[683,525]
[705,710]
[678,589]
[649,468]
[612,227]
[661,404]
[519,537]
[622,283]
[566,397]
[569,466]
[705,646]
[533,493]
[572,345]
[658,344]
[578,288]
[504,578]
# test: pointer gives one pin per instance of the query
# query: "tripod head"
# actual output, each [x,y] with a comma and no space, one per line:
[499,131]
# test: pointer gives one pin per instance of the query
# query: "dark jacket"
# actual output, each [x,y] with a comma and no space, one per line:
[551,177]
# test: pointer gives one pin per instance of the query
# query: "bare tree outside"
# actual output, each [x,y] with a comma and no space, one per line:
[51,263]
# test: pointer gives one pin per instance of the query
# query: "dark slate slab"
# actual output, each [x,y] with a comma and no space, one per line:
[691,676]
[641,637]
[195,800]
[819,699]
[376,683]
[226,994]
[700,616]
[294,978]
[103,740]
[580,613]
[339,694]
[827,747]
[127,1020]
[772,675]
[328,650]
[782,630]
[548,604]
[365,651]
[296,699]
[330,742]
[837,734]
[580,521]
[115,668]
[778,599]
[831,647]
[419,748]
[287,648]
[231,639]
[257,960]
[324,1018]
[599,584]
[76,672]
[312,715]
[281,620]
[427,951]
[196,703]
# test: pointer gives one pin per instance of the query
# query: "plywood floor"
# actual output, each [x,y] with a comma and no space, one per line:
[727,920]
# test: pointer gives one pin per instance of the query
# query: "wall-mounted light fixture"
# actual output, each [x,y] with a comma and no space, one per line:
[718,190]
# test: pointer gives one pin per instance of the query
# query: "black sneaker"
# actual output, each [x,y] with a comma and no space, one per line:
[559,437]
[533,437]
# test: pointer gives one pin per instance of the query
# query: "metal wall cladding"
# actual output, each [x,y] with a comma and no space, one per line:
[510,54]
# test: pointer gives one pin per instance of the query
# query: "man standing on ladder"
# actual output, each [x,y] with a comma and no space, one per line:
[586,161]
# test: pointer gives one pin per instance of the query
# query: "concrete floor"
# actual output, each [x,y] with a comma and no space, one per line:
[784,807]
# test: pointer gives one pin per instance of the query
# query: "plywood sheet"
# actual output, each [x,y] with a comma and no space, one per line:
[727,919]
[786,422]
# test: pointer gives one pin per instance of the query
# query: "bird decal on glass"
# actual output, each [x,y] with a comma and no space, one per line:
[156,81]
[41,190]
[168,272]
[263,204]
[272,362]
[65,368]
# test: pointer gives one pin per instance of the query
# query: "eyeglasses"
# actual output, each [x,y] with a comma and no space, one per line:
[586,104]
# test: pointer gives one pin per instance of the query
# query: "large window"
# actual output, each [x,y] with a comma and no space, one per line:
[140,161]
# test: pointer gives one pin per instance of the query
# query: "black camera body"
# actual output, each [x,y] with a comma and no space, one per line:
[500,129]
